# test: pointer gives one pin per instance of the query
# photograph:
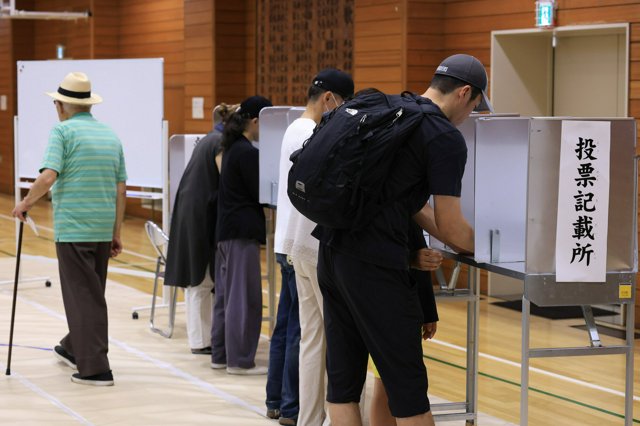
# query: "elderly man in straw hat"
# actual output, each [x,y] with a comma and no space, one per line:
[84,159]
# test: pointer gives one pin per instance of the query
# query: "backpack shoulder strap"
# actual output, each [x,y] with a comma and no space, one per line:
[428,107]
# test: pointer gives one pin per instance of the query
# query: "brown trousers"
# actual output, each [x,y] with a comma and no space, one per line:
[83,277]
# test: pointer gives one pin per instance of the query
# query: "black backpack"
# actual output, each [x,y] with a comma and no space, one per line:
[337,176]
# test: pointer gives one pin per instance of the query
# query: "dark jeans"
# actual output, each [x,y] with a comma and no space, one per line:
[282,379]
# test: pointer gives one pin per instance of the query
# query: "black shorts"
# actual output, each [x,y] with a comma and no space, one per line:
[370,309]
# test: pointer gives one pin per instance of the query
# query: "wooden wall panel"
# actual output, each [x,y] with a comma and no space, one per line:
[425,42]
[234,46]
[155,29]
[16,45]
[199,58]
[105,29]
[379,57]
[7,73]
[74,35]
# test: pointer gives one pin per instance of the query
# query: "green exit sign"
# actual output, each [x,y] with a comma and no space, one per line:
[545,13]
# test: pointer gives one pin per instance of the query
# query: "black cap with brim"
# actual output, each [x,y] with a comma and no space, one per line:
[336,81]
[470,70]
[250,107]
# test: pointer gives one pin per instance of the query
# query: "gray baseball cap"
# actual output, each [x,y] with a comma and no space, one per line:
[471,71]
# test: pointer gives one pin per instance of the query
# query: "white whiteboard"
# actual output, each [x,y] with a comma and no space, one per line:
[132,90]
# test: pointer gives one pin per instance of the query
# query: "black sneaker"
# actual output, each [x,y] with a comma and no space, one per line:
[103,379]
[65,357]
[202,351]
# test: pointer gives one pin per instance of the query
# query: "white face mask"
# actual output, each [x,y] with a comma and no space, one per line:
[335,101]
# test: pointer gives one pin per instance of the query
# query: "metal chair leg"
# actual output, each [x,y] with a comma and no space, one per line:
[173,298]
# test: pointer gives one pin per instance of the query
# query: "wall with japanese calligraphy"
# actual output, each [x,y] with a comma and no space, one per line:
[295,40]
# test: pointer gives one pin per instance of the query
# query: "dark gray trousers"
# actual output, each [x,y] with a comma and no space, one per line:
[83,277]
[237,313]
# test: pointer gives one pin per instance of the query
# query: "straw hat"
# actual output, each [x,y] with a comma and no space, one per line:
[76,89]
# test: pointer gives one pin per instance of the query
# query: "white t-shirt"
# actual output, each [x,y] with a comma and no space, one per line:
[295,135]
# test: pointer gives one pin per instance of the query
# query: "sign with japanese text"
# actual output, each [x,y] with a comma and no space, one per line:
[583,202]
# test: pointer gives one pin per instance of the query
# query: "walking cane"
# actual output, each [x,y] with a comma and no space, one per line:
[15,294]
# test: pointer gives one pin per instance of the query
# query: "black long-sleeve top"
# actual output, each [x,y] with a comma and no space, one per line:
[240,215]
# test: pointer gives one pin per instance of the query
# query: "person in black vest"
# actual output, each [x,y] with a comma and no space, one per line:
[241,229]
[192,242]
[370,302]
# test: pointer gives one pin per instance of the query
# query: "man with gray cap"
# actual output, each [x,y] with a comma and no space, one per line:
[371,306]
[85,160]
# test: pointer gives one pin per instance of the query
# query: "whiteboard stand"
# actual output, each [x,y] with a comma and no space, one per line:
[18,185]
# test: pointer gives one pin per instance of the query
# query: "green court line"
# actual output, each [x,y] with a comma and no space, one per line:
[543,392]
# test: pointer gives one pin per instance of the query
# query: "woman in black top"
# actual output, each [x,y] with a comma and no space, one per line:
[240,229]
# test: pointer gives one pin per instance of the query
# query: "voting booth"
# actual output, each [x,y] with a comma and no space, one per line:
[273,123]
[554,206]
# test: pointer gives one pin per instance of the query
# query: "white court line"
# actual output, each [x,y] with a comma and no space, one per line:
[52,399]
[131,272]
[538,370]
[190,378]
[164,365]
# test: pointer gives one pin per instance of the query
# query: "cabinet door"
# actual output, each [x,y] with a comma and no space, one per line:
[590,75]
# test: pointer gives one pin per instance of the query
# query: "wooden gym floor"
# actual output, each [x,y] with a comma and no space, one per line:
[158,380]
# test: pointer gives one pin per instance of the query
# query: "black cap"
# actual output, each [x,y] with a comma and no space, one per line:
[250,107]
[336,81]
[471,71]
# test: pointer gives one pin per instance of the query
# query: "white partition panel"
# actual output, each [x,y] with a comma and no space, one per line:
[502,149]
[467,196]
[273,123]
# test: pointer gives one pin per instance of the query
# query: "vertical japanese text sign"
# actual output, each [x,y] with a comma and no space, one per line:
[583,202]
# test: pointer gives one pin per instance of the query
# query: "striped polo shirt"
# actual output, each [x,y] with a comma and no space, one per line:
[89,160]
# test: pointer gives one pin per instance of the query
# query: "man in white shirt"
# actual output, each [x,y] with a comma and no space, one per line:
[299,326]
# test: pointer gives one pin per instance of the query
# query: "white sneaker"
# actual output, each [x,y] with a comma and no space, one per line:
[254,371]
[217,366]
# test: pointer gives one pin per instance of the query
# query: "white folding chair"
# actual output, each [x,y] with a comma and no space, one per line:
[159,240]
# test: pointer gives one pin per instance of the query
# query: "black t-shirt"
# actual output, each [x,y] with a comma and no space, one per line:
[240,215]
[431,162]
